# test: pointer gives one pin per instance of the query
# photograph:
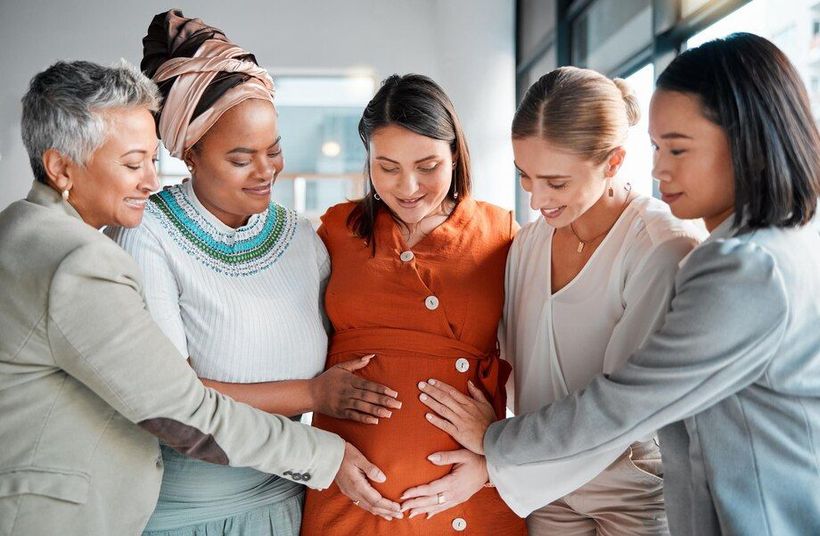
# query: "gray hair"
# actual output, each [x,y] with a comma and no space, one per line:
[64,108]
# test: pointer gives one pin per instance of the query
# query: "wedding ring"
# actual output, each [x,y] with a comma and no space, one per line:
[440,497]
[356,503]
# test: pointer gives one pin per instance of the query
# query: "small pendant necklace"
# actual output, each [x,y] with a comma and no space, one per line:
[582,243]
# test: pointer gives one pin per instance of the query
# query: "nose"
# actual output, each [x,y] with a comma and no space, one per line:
[539,197]
[408,184]
[659,169]
[150,181]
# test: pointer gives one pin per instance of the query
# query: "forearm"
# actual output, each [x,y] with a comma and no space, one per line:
[287,397]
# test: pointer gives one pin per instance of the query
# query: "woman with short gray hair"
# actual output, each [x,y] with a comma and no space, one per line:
[88,381]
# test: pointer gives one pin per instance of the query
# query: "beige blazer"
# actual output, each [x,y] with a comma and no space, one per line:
[88,382]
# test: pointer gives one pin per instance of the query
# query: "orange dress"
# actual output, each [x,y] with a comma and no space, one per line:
[430,311]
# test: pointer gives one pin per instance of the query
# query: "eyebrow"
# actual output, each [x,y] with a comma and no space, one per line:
[675,136]
[420,160]
[248,150]
[133,151]
[543,176]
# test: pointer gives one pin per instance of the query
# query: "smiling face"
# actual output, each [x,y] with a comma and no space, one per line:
[562,185]
[410,172]
[236,163]
[692,159]
[113,186]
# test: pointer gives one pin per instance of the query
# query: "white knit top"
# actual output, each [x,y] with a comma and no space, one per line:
[245,304]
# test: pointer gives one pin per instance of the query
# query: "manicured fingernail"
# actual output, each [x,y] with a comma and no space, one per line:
[372,420]
[434,457]
[423,397]
[429,417]
[412,515]
[470,383]
[386,414]
[431,382]
[391,392]
[422,385]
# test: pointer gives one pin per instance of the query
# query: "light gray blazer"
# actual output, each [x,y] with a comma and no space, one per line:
[88,382]
[732,379]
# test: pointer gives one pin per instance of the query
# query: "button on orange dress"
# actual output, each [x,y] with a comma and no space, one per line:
[430,311]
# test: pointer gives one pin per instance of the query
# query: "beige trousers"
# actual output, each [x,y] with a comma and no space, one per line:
[625,499]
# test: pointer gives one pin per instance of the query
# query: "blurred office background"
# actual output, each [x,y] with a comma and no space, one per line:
[328,57]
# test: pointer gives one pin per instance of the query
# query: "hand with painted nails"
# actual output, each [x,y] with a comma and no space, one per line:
[339,393]
[465,418]
[467,476]
[352,480]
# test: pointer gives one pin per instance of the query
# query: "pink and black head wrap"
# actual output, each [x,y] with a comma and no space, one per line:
[201,75]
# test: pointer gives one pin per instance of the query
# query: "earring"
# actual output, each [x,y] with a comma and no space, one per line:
[65,195]
[376,197]
[190,167]
[611,192]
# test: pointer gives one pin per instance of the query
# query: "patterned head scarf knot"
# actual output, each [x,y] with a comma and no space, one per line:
[201,74]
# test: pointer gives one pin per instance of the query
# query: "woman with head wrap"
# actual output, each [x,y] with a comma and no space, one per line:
[236,281]
[87,379]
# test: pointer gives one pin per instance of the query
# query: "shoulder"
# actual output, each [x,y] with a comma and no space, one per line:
[493,213]
[334,221]
[654,234]
[98,258]
[339,213]
[743,263]
[493,218]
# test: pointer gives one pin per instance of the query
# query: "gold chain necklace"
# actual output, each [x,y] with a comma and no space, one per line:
[582,243]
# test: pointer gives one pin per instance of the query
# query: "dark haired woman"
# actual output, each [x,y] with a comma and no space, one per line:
[732,378]
[417,278]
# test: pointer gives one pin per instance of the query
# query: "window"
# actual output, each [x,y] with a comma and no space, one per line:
[324,158]
[637,168]
[793,30]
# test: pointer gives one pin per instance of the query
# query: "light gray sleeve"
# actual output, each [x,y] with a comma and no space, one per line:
[102,335]
[724,325]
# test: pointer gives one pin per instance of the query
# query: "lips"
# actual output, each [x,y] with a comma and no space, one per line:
[409,203]
[670,198]
[552,213]
[136,202]
[263,189]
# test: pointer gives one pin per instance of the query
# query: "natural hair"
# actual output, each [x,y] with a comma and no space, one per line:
[64,108]
[748,87]
[579,110]
[414,102]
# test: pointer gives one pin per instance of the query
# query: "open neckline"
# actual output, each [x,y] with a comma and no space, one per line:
[592,257]
[454,219]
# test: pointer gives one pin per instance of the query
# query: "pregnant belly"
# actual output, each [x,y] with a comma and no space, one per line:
[400,445]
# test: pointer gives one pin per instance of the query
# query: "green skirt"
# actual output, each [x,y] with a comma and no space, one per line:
[203,499]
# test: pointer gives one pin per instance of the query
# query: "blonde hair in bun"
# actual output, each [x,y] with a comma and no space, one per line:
[580,110]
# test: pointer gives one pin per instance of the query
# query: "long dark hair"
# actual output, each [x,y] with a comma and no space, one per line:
[748,87]
[414,102]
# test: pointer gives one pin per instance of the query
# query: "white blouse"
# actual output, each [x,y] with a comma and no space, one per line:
[245,304]
[557,342]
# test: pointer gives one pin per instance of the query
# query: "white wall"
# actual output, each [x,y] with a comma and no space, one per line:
[465,45]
